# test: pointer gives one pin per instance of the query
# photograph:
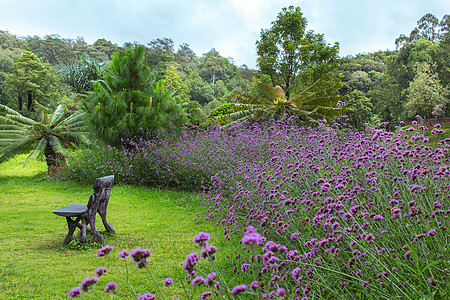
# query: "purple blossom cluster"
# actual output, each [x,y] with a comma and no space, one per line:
[328,201]
[87,284]
[139,256]
[335,201]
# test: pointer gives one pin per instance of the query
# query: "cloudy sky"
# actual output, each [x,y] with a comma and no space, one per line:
[230,26]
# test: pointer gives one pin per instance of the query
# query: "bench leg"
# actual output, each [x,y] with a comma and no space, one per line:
[82,235]
[72,226]
[108,227]
[98,237]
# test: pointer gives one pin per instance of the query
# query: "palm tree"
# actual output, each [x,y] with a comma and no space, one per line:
[46,139]
[79,75]
[315,102]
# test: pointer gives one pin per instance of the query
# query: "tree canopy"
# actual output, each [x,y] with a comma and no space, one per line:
[293,57]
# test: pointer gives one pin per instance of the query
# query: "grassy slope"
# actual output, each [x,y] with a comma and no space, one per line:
[34,266]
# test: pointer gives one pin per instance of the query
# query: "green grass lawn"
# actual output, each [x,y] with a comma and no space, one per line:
[34,266]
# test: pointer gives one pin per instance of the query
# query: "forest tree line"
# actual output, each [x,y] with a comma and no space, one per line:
[390,86]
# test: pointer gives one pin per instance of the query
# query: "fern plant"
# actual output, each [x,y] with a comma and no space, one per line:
[47,138]
[313,103]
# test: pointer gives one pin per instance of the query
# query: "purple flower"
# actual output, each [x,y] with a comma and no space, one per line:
[432,281]
[280,292]
[369,238]
[378,218]
[296,272]
[198,280]
[252,237]
[208,252]
[189,264]
[105,250]
[239,289]
[124,253]
[206,294]
[110,287]
[139,256]
[86,284]
[201,238]
[146,296]
[100,271]
[254,285]
[244,267]
[168,281]
[75,292]
[432,232]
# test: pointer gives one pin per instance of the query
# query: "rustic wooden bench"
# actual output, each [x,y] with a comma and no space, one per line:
[85,215]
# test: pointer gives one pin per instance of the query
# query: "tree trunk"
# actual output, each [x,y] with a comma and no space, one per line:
[19,97]
[55,161]
[30,106]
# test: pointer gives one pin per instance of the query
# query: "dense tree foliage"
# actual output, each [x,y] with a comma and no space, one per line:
[394,82]
[203,79]
[381,86]
[31,81]
[293,57]
[426,95]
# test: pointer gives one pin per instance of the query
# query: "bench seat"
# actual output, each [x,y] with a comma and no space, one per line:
[72,210]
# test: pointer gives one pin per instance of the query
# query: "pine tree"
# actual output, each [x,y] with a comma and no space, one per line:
[130,101]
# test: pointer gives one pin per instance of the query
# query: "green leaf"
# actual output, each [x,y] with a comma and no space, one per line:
[403,264]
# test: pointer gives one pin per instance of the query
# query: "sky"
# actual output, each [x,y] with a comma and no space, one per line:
[232,27]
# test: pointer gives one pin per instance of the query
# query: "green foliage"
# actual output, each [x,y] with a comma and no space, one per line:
[429,28]
[359,109]
[315,102]
[47,138]
[32,81]
[179,87]
[360,80]
[216,116]
[105,47]
[7,58]
[52,49]
[426,95]
[161,53]
[194,112]
[223,109]
[79,75]
[199,90]
[293,57]
[9,41]
[208,108]
[130,101]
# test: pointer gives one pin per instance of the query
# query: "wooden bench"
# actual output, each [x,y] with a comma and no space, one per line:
[85,215]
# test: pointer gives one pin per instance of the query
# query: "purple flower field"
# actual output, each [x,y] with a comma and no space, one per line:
[341,212]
